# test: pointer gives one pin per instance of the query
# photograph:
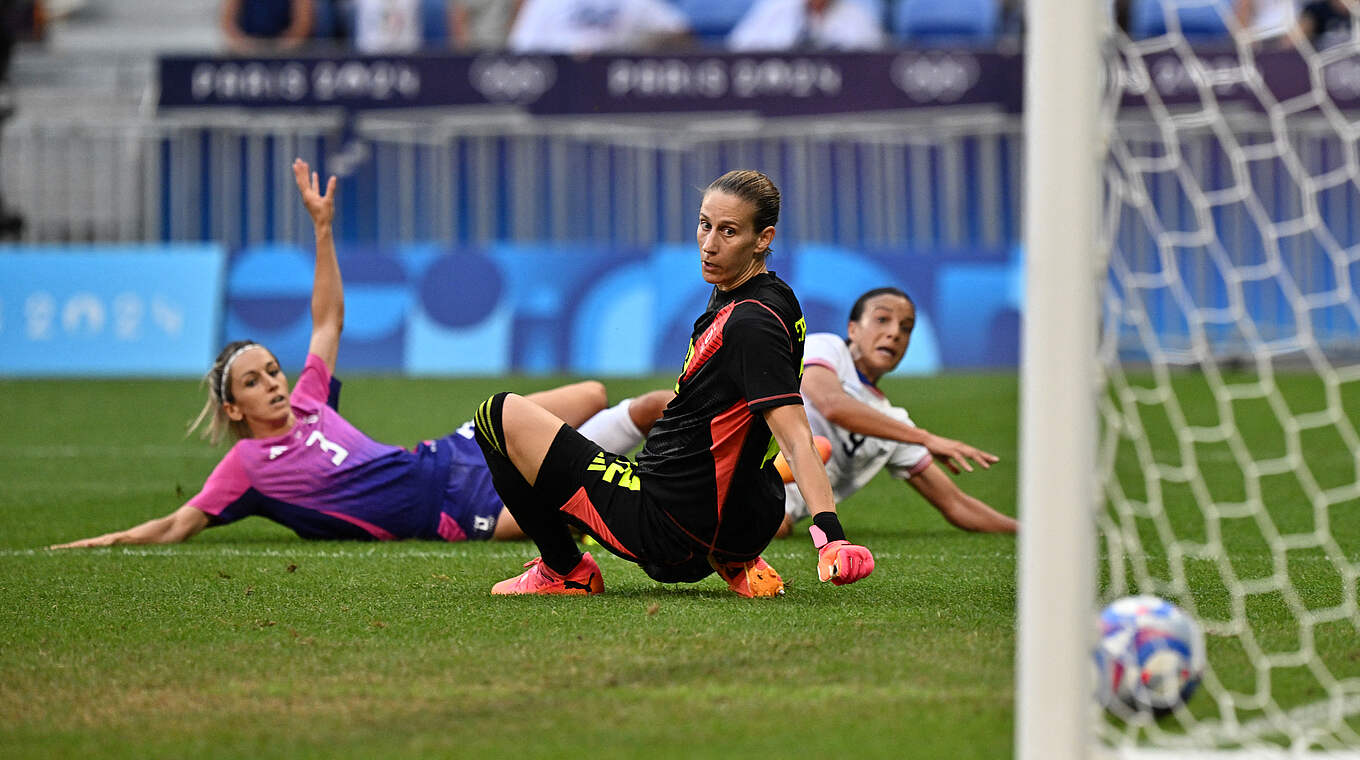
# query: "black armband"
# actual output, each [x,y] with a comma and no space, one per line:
[826,527]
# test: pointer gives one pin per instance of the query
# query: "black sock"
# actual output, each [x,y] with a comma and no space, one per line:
[540,521]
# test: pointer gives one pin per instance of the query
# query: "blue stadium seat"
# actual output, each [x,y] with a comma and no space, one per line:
[711,20]
[947,22]
[1199,19]
[326,23]
[434,22]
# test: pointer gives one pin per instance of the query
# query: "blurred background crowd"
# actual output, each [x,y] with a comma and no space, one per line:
[99,56]
[900,151]
[585,26]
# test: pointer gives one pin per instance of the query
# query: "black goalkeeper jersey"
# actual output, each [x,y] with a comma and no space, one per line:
[708,460]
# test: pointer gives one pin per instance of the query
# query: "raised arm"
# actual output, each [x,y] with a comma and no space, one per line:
[328,292]
[180,525]
[839,561]
[823,390]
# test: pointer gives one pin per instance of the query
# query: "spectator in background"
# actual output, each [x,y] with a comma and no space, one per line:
[1324,23]
[591,26]
[1268,21]
[12,15]
[388,26]
[481,24]
[808,25]
[261,25]
[18,19]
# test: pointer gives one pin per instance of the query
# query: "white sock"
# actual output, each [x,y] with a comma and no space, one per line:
[613,429]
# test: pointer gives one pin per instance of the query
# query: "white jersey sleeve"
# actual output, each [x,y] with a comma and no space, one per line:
[855,458]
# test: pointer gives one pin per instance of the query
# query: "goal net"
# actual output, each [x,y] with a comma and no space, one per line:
[1229,348]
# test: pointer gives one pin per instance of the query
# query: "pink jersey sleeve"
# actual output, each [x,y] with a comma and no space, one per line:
[313,385]
[224,487]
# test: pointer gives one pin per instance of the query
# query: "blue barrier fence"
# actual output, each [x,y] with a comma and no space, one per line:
[116,311]
[423,309]
[427,309]
[929,194]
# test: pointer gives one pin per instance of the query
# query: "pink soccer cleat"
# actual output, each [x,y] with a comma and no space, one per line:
[540,579]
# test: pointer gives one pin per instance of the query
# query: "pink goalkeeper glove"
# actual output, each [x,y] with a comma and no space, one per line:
[842,562]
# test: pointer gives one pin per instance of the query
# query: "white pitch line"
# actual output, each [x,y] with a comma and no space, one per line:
[388,552]
[85,487]
[1255,753]
[76,451]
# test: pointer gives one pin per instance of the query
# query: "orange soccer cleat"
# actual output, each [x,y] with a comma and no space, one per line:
[750,579]
[540,579]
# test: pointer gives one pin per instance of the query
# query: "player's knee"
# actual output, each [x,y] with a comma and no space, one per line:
[489,425]
[646,409]
[596,394]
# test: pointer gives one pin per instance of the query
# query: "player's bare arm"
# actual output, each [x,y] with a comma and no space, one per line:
[962,510]
[328,294]
[823,390]
[838,560]
[180,525]
[790,428]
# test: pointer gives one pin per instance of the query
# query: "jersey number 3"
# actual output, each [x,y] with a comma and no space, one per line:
[337,452]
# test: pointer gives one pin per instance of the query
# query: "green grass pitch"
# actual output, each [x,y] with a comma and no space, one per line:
[249,642]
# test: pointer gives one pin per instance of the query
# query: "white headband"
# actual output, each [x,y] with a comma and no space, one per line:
[226,369]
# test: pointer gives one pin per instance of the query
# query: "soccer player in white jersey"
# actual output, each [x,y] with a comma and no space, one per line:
[867,433]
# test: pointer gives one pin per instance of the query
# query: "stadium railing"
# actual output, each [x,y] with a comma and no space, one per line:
[924,182]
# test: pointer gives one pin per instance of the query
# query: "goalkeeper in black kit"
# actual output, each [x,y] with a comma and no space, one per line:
[704,495]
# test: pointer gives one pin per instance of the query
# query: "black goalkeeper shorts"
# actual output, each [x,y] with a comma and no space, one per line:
[601,494]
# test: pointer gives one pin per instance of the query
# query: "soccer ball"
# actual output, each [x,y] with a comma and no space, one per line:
[1150,657]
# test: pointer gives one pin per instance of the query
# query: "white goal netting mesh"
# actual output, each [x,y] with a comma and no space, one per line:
[1230,354]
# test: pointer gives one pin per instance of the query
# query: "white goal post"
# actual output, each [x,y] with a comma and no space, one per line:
[1057,380]
[1190,379]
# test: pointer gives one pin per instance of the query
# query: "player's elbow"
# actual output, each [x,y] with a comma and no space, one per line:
[333,321]
[182,525]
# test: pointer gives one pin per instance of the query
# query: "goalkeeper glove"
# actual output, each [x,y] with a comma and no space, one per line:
[842,562]
[838,560]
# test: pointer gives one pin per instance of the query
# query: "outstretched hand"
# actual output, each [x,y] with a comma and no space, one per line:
[956,454]
[320,205]
[84,543]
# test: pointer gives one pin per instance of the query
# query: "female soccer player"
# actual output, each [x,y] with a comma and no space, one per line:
[704,494]
[868,433]
[298,462]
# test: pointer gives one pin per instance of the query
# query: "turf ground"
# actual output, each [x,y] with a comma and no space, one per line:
[249,642]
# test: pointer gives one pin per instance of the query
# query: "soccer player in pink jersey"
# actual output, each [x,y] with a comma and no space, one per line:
[298,462]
